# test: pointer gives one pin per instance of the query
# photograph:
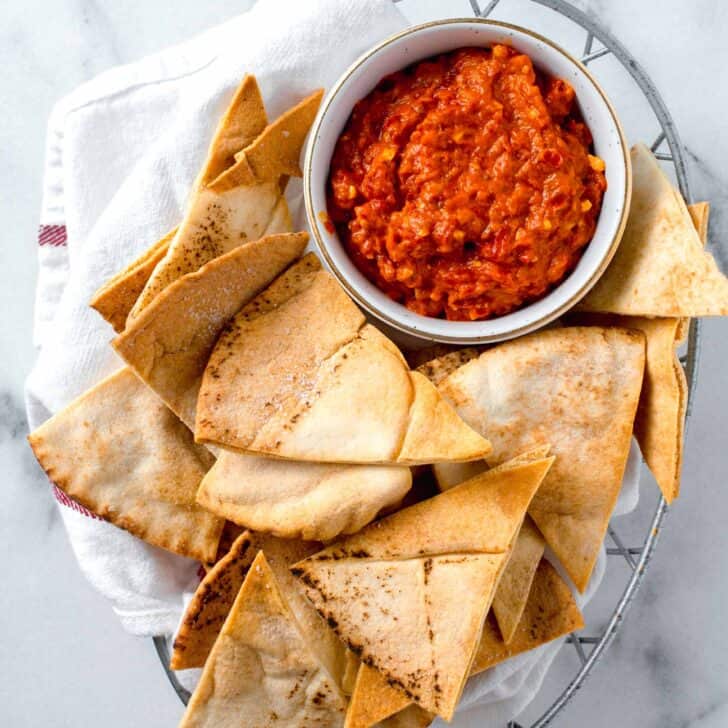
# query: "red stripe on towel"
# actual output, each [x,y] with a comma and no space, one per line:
[63,499]
[54,235]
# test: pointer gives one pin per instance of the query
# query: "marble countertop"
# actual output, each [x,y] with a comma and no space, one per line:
[65,659]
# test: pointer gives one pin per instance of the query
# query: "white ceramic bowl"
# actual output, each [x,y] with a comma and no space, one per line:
[421,42]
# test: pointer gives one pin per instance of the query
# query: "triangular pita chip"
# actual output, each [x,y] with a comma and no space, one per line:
[699,214]
[169,343]
[438,368]
[374,700]
[512,593]
[115,299]
[216,593]
[243,121]
[299,374]
[315,501]
[275,152]
[550,613]
[262,670]
[660,267]
[574,388]
[660,420]
[209,607]
[515,584]
[222,217]
[122,454]
[388,590]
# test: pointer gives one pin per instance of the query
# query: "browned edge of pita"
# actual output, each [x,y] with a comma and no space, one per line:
[118,451]
[275,152]
[551,612]
[210,605]
[115,299]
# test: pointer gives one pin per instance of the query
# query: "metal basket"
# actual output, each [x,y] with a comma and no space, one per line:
[591,645]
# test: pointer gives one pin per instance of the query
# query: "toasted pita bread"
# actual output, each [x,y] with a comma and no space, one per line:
[115,299]
[373,699]
[388,590]
[440,367]
[223,215]
[275,152]
[216,593]
[314,501]
[122,454]
[700,215]
[278,376]
[515,584]
[660,419]
[575,388]
[169,343]
[243,121]
[210,605]
[262,667]
[550,613]
[660,267]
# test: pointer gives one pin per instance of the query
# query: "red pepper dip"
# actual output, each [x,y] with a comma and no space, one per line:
[464,187]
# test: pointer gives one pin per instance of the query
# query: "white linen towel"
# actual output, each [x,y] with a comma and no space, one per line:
[122,152]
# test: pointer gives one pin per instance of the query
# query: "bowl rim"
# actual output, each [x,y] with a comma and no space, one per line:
[369,306]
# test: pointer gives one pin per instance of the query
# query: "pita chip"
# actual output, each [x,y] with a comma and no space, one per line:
[660,267]
[169,343]
[210,605]
[298,374]
[550,613]
[115,299]
[122,454]
[660,420]
[388,590]
[216,593]
[576,389]
[222,216]
[262,669]
[374,700]
[699,214]
[315,501]
[513,589]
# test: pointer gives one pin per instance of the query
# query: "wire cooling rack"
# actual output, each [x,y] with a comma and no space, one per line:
[600,50]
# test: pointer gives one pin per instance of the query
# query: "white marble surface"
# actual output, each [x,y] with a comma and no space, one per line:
[65,660]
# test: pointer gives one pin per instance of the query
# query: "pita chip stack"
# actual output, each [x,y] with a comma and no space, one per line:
[233,208]
[263,667]
[576,389]
[116,298]
[388,590]
[514,587]
[169,343]
[279,373]
[660,267]
[214,597]
[122,454]
[550,612]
